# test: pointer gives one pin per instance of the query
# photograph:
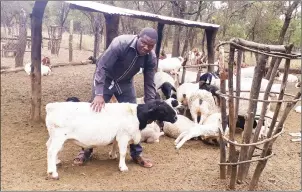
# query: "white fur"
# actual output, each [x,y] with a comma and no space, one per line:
[162,77]
[170,64]
[151,133]
[78,122]
[45,70]
[208,130]
[246,84]
[207,107]
[190,76]
[290,78]
[186,88]
[298,109]
[174,130]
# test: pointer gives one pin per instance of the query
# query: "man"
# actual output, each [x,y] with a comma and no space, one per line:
[114,76]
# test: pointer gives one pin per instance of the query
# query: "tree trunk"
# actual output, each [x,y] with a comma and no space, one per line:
[22,40]
[286,23]
[36,38]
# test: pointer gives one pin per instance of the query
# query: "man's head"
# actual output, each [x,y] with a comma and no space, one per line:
[146,41]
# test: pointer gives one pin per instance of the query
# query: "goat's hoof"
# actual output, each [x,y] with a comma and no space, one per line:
[123,168]
[51,177]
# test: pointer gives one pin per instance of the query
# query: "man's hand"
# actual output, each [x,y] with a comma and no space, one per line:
[98,103]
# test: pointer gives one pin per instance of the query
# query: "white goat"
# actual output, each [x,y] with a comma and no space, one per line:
[170,64]
[208,131]
[45,70]
[165,83]
[246,84]
[78,122]
[151,133]
[202,104]
[175,129]
[290,78]
[190,76]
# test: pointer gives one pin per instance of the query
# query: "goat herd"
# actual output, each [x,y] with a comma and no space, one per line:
[187,111]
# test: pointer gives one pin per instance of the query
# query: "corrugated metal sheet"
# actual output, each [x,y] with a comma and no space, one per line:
[109,9]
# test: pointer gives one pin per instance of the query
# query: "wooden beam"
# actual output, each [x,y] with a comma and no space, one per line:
[160,29]
[112,23]
[211,36]
[36,38]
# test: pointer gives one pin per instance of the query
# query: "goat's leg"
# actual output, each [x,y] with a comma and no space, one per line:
[58,161]
[112,153]
[184,139]
[54,146]
[123,143]
[180,137]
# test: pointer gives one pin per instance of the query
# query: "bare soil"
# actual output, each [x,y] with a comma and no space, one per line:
[23,149]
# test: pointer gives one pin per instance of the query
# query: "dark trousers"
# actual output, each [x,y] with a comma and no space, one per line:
[128,95]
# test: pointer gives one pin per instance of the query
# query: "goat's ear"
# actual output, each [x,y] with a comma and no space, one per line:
[201,83]
[173,88]
[159,87]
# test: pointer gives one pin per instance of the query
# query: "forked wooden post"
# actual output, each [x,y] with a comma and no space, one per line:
[248,127]
[267,148]
[36,38]
[263,112]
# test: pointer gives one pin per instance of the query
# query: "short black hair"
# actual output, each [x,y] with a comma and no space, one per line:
[150,32]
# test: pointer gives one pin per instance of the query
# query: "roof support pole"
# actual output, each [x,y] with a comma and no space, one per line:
[36,39]
[160,29]
[211,36]
[97,24]
[112,23]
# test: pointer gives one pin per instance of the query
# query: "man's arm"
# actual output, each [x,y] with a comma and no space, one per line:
[107,60]
[149,72]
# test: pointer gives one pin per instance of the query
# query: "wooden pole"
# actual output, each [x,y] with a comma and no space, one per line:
[238,78]
[112,23]
[261,119]
[70,40]
[232,123]
[248,127]
[96,48]
[81,36]
[22,40]
[160,29]
[223,112]
[211,36]
[267,148]
[36,38]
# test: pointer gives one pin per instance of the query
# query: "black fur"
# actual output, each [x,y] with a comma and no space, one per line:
[167,88]
[174,103]
[241,122]
[155,110]
[93,59]
[157,96]
[207,77]
[73,99]
[210,88]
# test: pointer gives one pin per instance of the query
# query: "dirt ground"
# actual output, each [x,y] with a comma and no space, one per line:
[23,149]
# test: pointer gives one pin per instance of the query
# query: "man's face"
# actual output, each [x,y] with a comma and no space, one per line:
[145,44]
